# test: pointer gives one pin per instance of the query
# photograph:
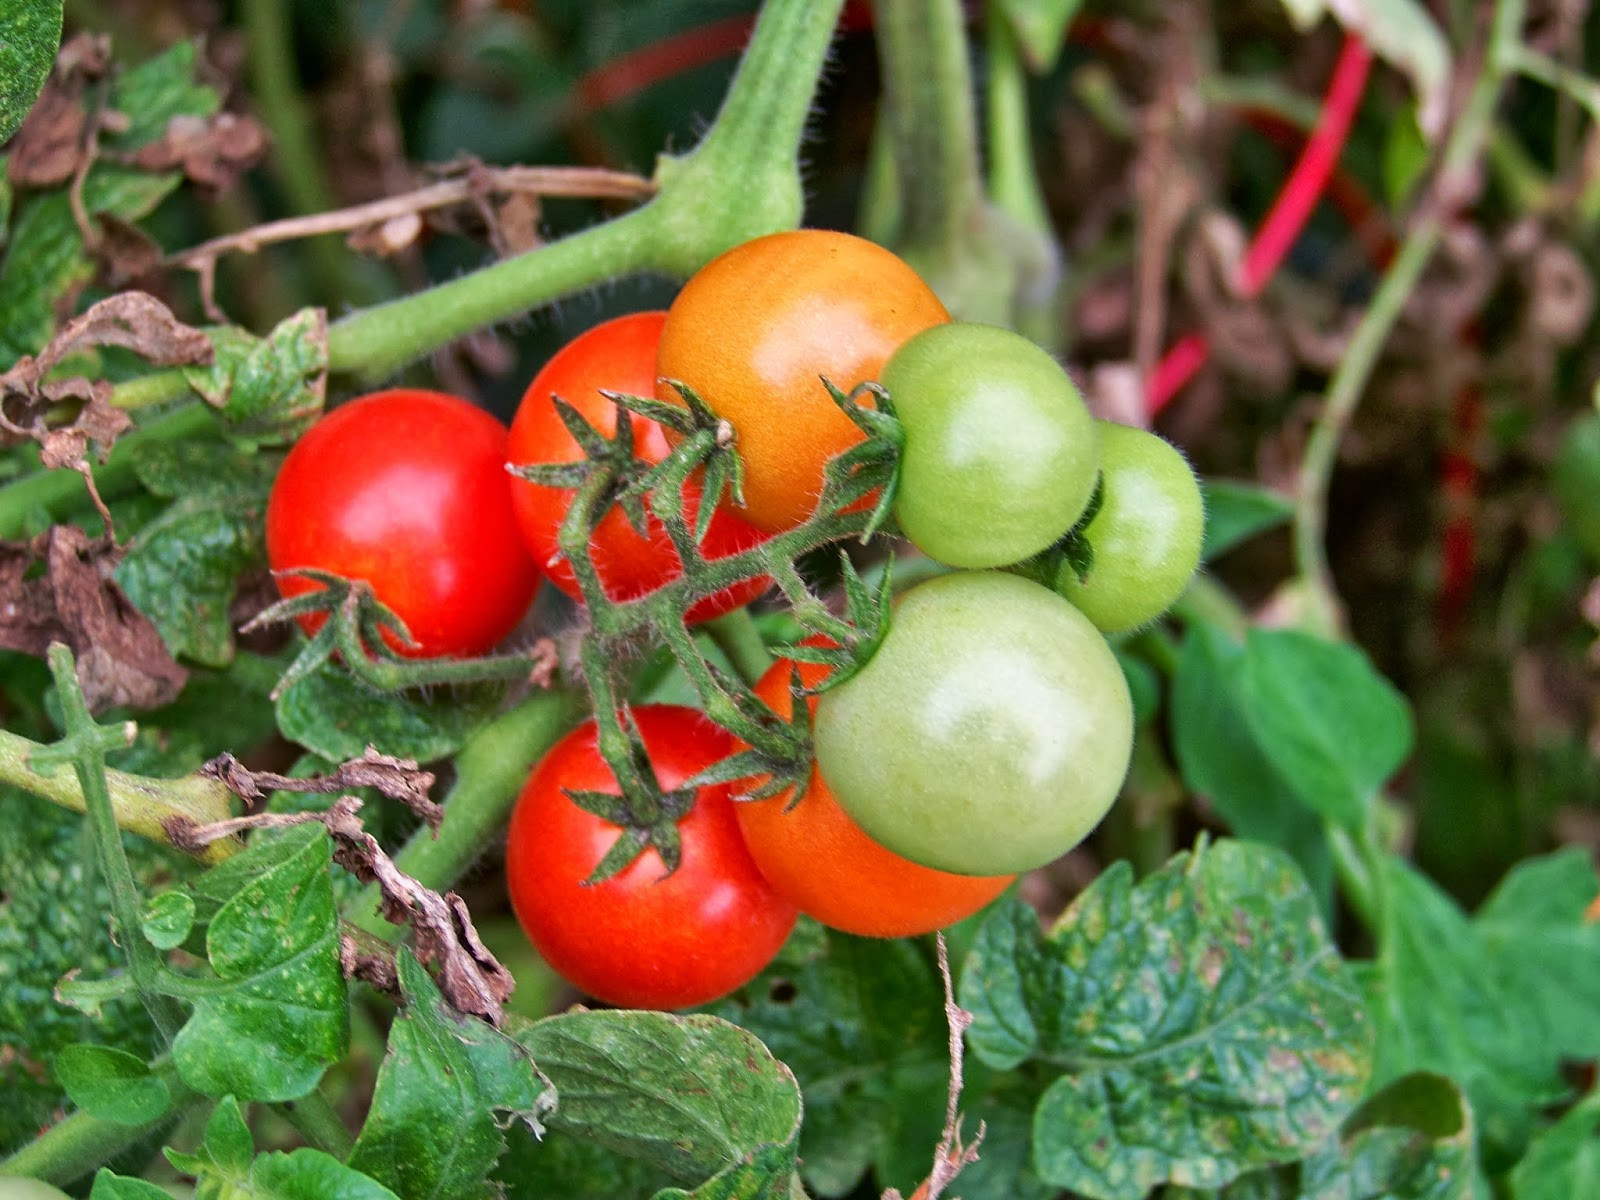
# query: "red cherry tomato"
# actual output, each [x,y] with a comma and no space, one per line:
[620,356]
[407,490]
[818,857]
[643,938]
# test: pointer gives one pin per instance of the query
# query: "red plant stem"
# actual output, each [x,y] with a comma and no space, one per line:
[1459,476]
[1284,221]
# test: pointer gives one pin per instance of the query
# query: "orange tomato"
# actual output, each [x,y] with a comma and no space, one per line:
[758,328]
[817,857]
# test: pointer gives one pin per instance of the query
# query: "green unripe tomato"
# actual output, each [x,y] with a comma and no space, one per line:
[1146,536]
[988,734]
[15,1187]
[1576,479]
[1000,451]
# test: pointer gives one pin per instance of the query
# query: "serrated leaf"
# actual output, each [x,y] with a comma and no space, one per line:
[1040,28]
[167,919]
[1333,727]
[691,1095]
[1440,1004]
[182,567]
[30,31]
[46,259]
[331,713]
[225,1151]
[278,1016]
[1236,512]
[269,388]
[1203,1023]
[1563,1162]
[112,1085]
[860,1022]
[433,1129]
[1220,759]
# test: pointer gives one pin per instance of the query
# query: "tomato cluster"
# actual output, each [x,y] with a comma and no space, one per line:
[986,733]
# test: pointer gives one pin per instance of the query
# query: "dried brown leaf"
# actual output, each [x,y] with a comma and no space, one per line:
[51,144]
[397,778]
[212,151]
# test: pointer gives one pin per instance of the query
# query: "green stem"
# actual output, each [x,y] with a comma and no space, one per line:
[742,181]
[76,1145]
[1207,602]
[490,771]
[1355,369]
[1357,877]
[139,803]
[315,1120]
[736,635]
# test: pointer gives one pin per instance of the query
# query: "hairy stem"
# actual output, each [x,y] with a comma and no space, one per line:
[315,1120]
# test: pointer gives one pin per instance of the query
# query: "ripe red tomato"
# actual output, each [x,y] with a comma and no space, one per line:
[407,490]
[817,856]
[620,356]
[642,938]
[757,328]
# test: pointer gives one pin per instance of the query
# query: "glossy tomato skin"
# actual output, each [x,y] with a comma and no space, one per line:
[754,331]
[815,855]
[407,489]
[1001,454]
[643,938]
[1146,536]
[989,733]
[619,356]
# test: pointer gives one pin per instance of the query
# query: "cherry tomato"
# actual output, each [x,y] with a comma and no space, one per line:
[620,356]
[1001,453]
[407,490]
[756,330]
[815,855]
[643,938]
[990,732]
[1146,536]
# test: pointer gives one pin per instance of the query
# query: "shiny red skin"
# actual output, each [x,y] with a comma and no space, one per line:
[407,489]
[619,356]
[643,938]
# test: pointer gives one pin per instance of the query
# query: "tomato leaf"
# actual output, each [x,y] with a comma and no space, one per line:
[335,715]
[167,919]
[29,34]
[1202,1022]
[432,1129]
[182,567]
[1564,1161]
[311,1175]
[1330,724]
[1220,758]
[861,1023]
[271,388]
[1040,28]
[1236,512]
[694,1096]
[276,1016]
[112,1085]
[226,1150]
[109,1186]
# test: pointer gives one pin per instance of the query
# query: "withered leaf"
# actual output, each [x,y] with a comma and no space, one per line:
[212,151]
[50,146]
[122,661]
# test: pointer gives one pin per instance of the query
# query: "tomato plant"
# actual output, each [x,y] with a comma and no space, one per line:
[815,855]
[988,733]
[755,332]
[407,490]
[643,938]
[619,356]
[1000,454]
[1144,540]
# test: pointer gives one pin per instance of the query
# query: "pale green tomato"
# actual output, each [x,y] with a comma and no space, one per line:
[1000,452]
[988,734]
[1145,537]
[18,1188]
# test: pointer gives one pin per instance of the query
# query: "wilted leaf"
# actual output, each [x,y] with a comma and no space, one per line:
[49,145]
[270,388]
[211,150]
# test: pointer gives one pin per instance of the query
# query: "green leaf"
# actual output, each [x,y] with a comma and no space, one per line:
[1405,158]
[432,1129]
[1564,1161]
[860,1022]
[1331,725]
[181,568]
[272,388]
[1401,32]
[1220,759]
[276,1016]
[1440,1003]
[225,1151]
[1040,28]
[30,31]
[167,919]
[110,1186]
[112,1085]
[311,1175]
[1236,512]
[1202,1023]
[46,260]
[692,1095]
[331,713]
